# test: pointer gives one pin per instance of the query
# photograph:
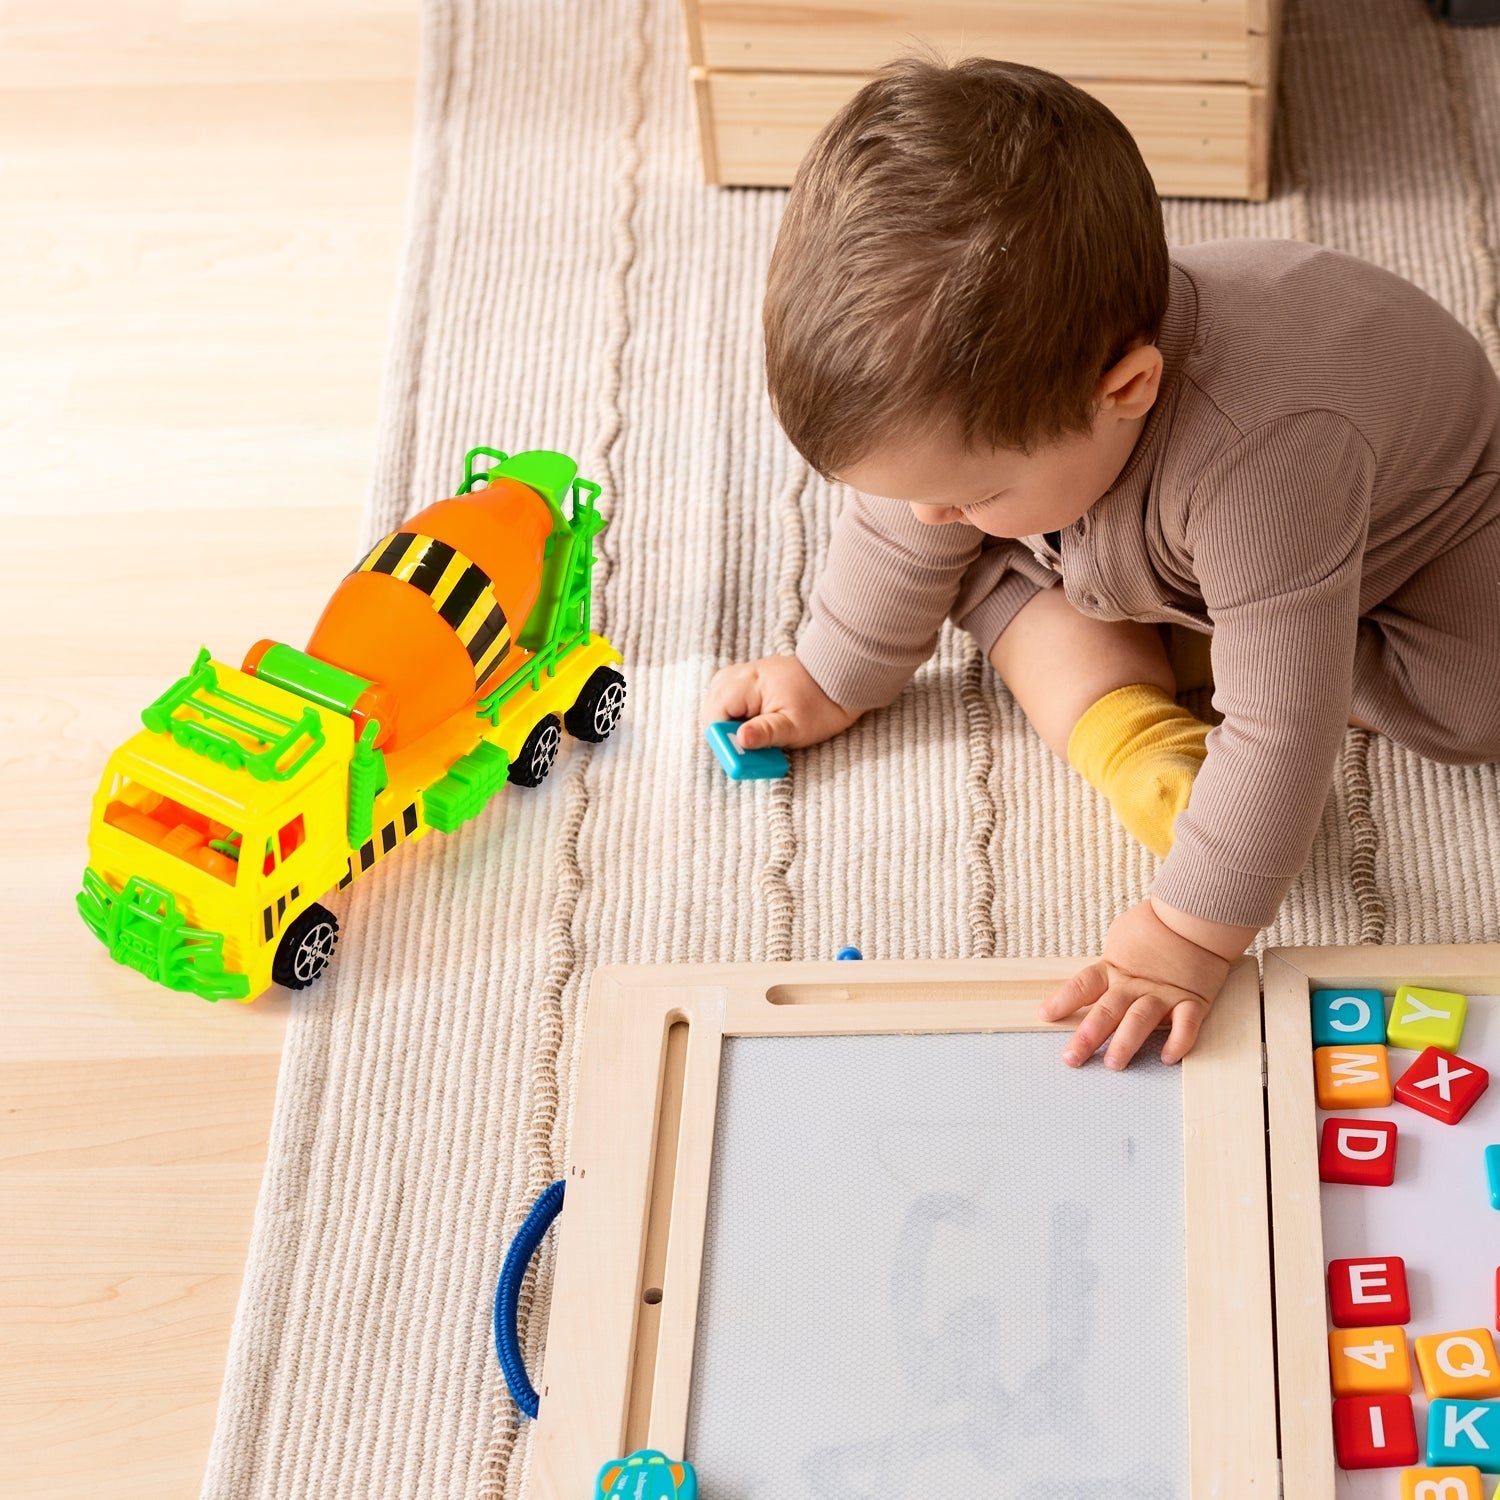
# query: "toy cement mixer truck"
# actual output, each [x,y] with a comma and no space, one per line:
[445,665]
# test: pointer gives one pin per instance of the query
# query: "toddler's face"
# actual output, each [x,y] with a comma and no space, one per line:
[1008,493]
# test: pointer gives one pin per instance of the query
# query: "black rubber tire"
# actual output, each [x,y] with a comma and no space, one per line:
[597,711]
[306,948]
[531,766]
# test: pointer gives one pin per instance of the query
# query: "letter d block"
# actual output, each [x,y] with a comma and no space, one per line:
[1464,1432]
[1374,1432]
[1352,1077]
[1442,1484]
[1348,1016]
[1359,1152]
[1426,1018]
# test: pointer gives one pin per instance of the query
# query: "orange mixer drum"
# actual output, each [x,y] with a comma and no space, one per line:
[432,612]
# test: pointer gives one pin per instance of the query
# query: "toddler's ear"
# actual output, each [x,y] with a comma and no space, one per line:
[1128,389]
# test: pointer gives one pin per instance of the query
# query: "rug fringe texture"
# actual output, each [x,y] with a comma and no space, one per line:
[568,283]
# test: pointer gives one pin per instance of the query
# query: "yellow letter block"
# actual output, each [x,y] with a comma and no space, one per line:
[1441,1484]
[1369,1361]
[1426,1018]
[1352,1077]
[1459,1364]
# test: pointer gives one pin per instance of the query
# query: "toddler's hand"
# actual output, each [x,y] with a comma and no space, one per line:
[1147,971]
[779,702]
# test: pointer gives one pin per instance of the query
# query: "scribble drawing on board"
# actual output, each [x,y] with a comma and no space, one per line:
[959,1399]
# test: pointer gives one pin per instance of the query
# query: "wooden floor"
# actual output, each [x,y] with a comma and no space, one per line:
[203,205]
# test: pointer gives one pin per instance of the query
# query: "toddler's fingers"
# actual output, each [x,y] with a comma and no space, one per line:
[1085,987]
[774,728]
[1107,1014]
[1187,1022]
[734,693]
[1138,1023]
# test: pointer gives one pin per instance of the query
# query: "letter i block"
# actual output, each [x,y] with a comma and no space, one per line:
[1369,1362]
[1464,1432]
[1374,1432]
[1360,1152]
[1369,1293]
[1442,1484]
[1426,1018]
[1459,1364]
[1352,1077]
[1442,1085]
[1348,1016]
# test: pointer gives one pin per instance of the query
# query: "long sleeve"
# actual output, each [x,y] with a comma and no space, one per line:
[888,584]
[1276,528]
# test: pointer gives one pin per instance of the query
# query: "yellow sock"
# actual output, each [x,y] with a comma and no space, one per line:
[1142,751]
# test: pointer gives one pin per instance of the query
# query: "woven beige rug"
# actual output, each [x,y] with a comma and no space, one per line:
[569,284]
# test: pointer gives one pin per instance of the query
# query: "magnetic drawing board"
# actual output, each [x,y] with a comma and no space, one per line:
[831,1234]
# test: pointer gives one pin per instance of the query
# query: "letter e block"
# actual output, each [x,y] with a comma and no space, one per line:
[1348,1017]
[1369,1362]
[1459,1364]
[1426,1018]
[1374,1432]
[1352,1077]
[1360,1152]
[1464,1432]
[1368,1293]
[1442,1484]
[1442,1084]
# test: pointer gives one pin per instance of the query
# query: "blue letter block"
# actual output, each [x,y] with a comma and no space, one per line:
[1348,1016]
[769,764]
[1464,1432]
[1492,1171]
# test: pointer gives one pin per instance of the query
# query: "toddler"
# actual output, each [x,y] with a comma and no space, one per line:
[1063,437]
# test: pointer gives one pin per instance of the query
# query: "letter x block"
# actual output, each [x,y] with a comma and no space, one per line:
[1426,1018]
[1368,1293]
[1463,1432]
[1442,1085]
[1360,1152]
[1442,1484]
[1374,1432]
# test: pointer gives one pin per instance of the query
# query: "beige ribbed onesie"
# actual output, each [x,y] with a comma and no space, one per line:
[1317,486]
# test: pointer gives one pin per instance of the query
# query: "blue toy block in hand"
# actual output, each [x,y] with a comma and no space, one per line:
[769,764]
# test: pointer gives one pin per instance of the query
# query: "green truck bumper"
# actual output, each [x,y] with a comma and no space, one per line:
[142,928]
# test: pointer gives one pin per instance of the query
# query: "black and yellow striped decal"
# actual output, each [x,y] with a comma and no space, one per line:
[379,844]
[460,591]
[272,916]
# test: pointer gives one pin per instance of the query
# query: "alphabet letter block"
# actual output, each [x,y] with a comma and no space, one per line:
[1459,1364]
[1426,1018]
[1361,1152]
[1442,1085]
[1369,1362]
[1348,1016]
[1352,1077]
[1464,1432]
[1442,1484]
[1368,1293]
[1374,1432]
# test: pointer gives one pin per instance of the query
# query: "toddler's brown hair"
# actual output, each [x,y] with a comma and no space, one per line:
[970,245]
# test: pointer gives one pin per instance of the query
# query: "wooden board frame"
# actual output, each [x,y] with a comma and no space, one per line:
[1290,975]
[624,1309]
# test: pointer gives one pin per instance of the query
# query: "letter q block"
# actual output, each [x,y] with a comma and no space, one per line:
[1442,1084]
[1442,1484]
[1369,1292]
[1459,1364]
[1348,1017]
[1374,1432]
[1369,1362]
[1359,1152]
[1352,1077]
[1426,1018]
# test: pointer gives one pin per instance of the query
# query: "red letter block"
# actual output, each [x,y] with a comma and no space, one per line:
[1374,1432]
[1443,1085]
[1362,1152]
[1368,1293]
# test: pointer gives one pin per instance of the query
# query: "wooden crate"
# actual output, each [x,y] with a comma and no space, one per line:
[1194,80]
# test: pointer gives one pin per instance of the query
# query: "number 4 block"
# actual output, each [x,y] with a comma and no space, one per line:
[1361,1152]
[1374,1432]
[1369,1361]
[1442,1085]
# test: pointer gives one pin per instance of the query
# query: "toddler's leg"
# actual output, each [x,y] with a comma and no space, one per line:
[1100,693]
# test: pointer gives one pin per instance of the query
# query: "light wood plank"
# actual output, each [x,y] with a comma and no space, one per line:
[1195,40]
[1196,139]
